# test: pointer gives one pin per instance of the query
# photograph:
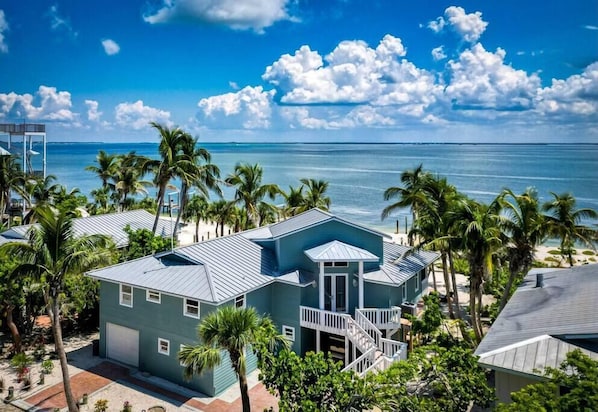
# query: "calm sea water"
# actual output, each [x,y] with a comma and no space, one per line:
[359,173]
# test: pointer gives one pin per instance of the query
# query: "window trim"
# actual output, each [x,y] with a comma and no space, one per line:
[336,264]
[186,312]
[288,332]
[162,351]
[121,293]
[147,296]
[181,346]
[244,301]
[404,292]
[417,283]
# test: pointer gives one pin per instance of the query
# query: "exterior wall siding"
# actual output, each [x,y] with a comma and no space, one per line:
[286,300]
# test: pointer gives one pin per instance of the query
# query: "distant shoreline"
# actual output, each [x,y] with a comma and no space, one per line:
[343,143]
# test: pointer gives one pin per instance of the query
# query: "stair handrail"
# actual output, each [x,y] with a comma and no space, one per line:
[359,364]
[368,326]
[352,323]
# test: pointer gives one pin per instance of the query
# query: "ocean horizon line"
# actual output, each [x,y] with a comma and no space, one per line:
[351,143]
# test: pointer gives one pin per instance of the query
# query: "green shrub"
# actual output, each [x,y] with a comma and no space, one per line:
[588,252]
[554,252]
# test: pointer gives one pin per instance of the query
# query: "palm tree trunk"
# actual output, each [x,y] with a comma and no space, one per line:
[244,392]
[474,290]
[197,229]
[183,204]
[457,308]
[54,313]
[505,295]
[160,202]
[434,278]
[12,326]
[447,284]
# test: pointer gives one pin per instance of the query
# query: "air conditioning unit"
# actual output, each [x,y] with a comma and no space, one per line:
[408,308]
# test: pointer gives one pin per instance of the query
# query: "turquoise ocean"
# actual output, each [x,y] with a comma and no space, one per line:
[358,173]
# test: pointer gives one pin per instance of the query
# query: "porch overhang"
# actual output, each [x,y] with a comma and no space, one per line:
[337,251]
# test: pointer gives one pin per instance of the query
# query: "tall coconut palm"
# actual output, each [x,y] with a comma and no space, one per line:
[523,223]
[170,165]
[476,224]
[315,194]
[410,194]
[196,170]
[107,166]
[51,255]
[233,330]
[249,190]
[564,222]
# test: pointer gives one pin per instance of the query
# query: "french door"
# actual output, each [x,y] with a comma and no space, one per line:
[335,292]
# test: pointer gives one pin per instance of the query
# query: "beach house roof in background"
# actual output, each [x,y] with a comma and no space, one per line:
[111,224]
[301,221]
[563,308]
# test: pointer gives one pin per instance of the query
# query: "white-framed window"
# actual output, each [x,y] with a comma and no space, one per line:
[404,291]
[191,308]
[240,301]
[153,296]
[288,332]
[126,295]
[416,279]
[163,346]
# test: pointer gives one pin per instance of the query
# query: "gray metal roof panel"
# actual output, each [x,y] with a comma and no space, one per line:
[565,305]
[531,356]
[110,224]
[337,251]
[300,221]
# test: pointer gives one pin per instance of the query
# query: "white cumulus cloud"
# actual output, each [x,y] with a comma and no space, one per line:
[480,79]
[93,114]
[576,95]
[353,73]
[138,116]
[46,104]
[237,14]
[248,108]
[3,29]
[438,53]
[110,47]
[468,26]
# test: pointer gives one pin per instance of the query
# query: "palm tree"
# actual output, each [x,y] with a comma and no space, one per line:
[250,191]
[11,178]
[106,169]
[131,168]
[197,171]
[563,221]
[476,225]
[197,211]
[294,201]
[315,194]
[523,223]
[410,194]
[233,330]
[52,254]
[171,164]
[221,211]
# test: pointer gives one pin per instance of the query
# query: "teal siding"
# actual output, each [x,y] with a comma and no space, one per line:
[153,321]
[286,300]
[381,296]
[290,249]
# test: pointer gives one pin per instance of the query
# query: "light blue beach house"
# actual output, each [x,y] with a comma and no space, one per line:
[328,284]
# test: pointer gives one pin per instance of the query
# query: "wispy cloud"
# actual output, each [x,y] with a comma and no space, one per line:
[3,29]
[60,23]
[590,27]
[110,47]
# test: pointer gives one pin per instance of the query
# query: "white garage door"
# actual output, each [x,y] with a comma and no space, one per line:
[122,344]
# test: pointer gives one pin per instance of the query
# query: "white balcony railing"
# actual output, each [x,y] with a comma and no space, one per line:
[383,318]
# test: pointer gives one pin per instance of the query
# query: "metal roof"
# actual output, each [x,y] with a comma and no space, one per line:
[298,222]
[111,224]
[298,277]
[214,271]
[531,356]
[400,263]
[564,306]
[337,251]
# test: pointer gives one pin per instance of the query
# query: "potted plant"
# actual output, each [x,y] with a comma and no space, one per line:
[21,362]
[127,407]
[101,405]
[47,366]
[27,381]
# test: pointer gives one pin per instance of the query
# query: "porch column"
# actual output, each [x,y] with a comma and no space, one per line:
[360,288]
[321,285]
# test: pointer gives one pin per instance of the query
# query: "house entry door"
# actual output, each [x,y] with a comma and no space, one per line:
[335,291]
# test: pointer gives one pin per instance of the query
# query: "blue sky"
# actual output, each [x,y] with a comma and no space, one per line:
[303,70]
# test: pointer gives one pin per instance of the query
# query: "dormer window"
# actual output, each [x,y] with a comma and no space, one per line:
[336,264]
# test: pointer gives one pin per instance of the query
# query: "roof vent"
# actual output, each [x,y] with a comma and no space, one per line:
[539,280]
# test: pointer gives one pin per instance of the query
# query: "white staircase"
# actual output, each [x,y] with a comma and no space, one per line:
[377,353]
